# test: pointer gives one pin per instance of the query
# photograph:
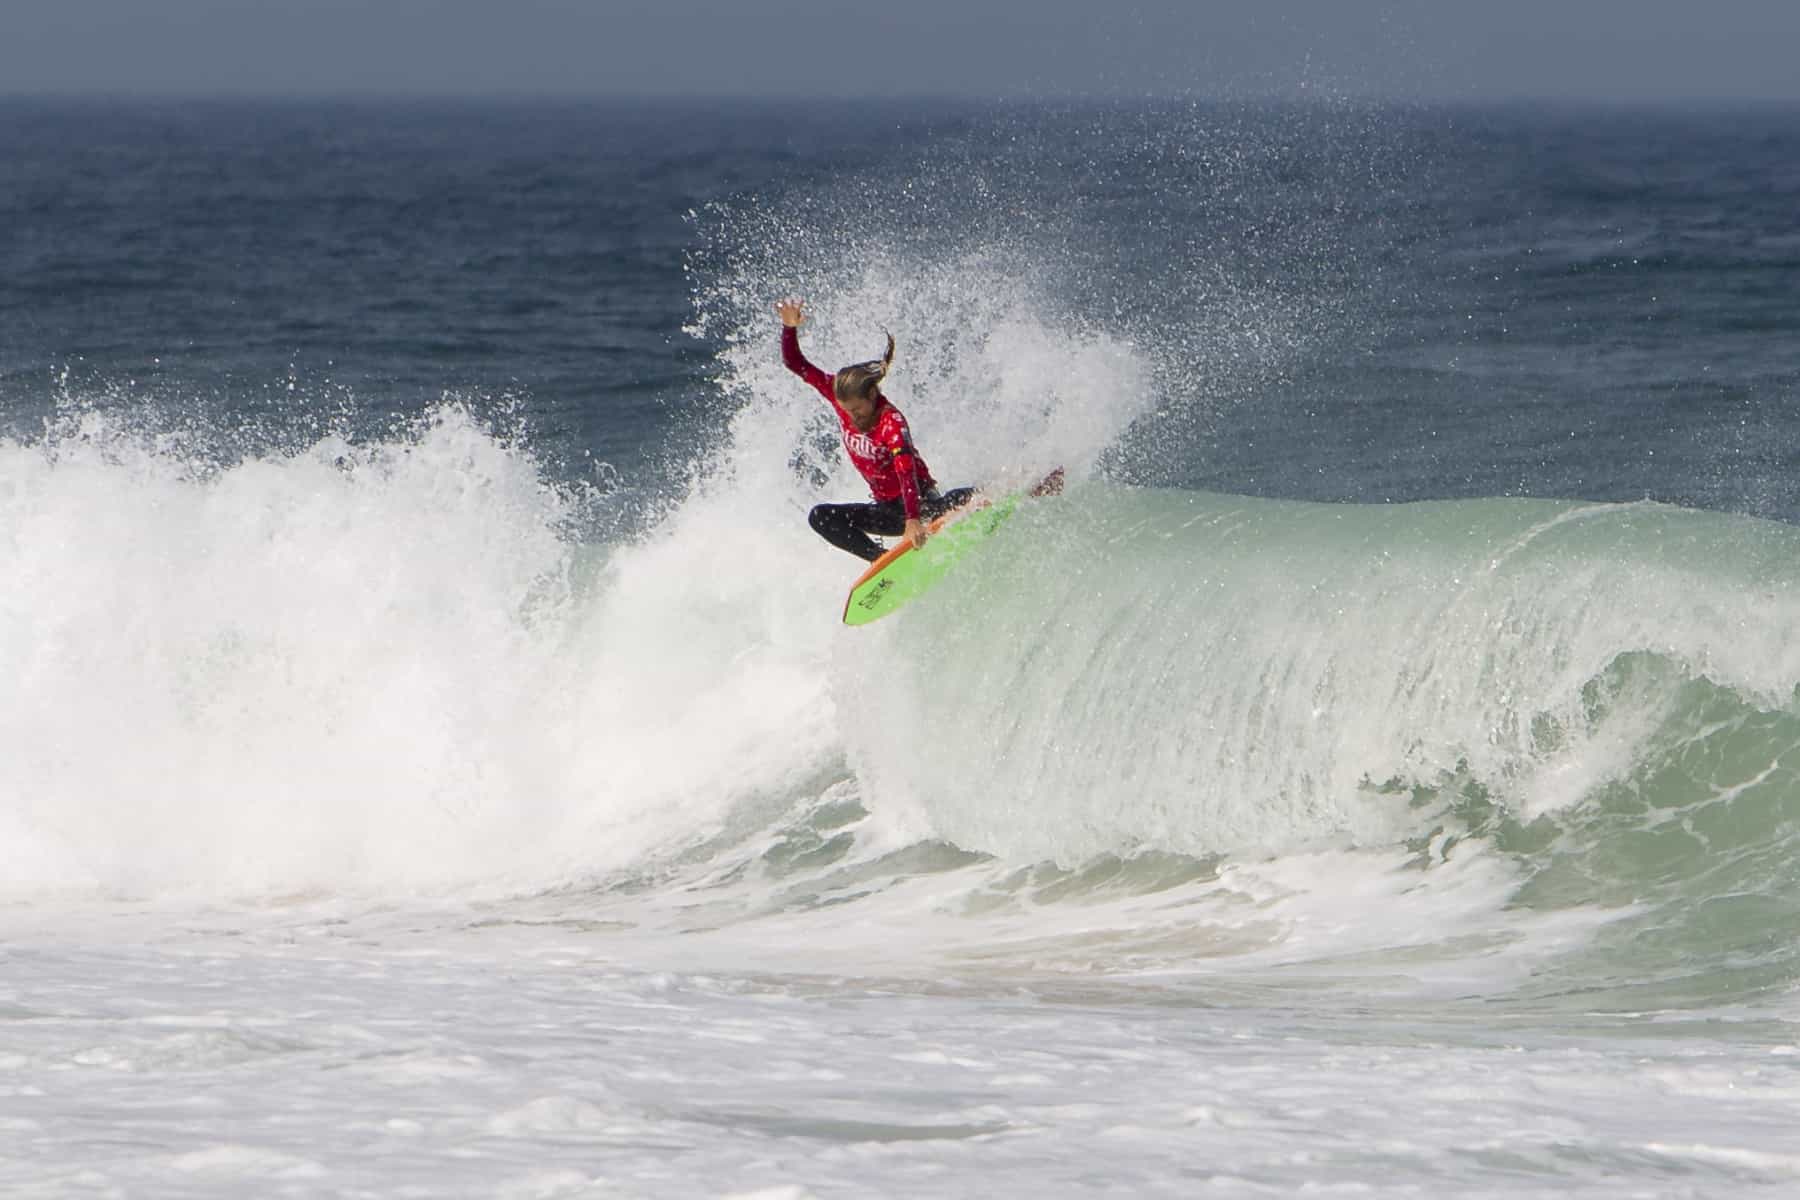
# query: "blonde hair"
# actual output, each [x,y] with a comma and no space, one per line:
[859,380]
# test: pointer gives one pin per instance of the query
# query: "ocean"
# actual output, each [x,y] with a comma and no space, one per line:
[431,763]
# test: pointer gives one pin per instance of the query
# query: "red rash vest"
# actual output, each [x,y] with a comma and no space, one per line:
[884,454]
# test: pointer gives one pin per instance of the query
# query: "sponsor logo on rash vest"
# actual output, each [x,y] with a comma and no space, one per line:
[861,445]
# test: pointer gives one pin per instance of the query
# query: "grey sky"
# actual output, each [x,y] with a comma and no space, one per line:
[1605,49]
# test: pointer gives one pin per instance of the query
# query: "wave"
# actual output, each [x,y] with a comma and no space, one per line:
[1128,668]
[387,667]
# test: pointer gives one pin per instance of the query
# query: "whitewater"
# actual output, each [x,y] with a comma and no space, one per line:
[395,801]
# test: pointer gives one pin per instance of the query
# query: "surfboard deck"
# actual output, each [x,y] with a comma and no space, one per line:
[902,573]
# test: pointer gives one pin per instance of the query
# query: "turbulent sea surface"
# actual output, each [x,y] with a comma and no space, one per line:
[431,765]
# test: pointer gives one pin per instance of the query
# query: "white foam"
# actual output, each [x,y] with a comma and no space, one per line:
[584,1071]
[366,667]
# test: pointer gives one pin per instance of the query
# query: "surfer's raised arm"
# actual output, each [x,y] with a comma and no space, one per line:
[793,313]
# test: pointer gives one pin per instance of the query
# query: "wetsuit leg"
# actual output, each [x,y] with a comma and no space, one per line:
[848,526]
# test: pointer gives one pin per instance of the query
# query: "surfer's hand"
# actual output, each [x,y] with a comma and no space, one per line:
[915,533]
[791,311]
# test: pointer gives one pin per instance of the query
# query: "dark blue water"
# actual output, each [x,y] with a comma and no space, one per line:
[1340,302]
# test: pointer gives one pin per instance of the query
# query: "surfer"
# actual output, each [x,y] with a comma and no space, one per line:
[904,494]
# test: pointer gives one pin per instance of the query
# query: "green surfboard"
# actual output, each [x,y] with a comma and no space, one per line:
[904,573]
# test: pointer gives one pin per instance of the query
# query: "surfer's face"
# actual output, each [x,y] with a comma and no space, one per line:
[862,409]
[858,389]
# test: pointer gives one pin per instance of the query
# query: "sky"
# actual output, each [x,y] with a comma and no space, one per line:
[1610,50]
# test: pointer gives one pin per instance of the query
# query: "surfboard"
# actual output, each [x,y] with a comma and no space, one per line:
[902,574]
